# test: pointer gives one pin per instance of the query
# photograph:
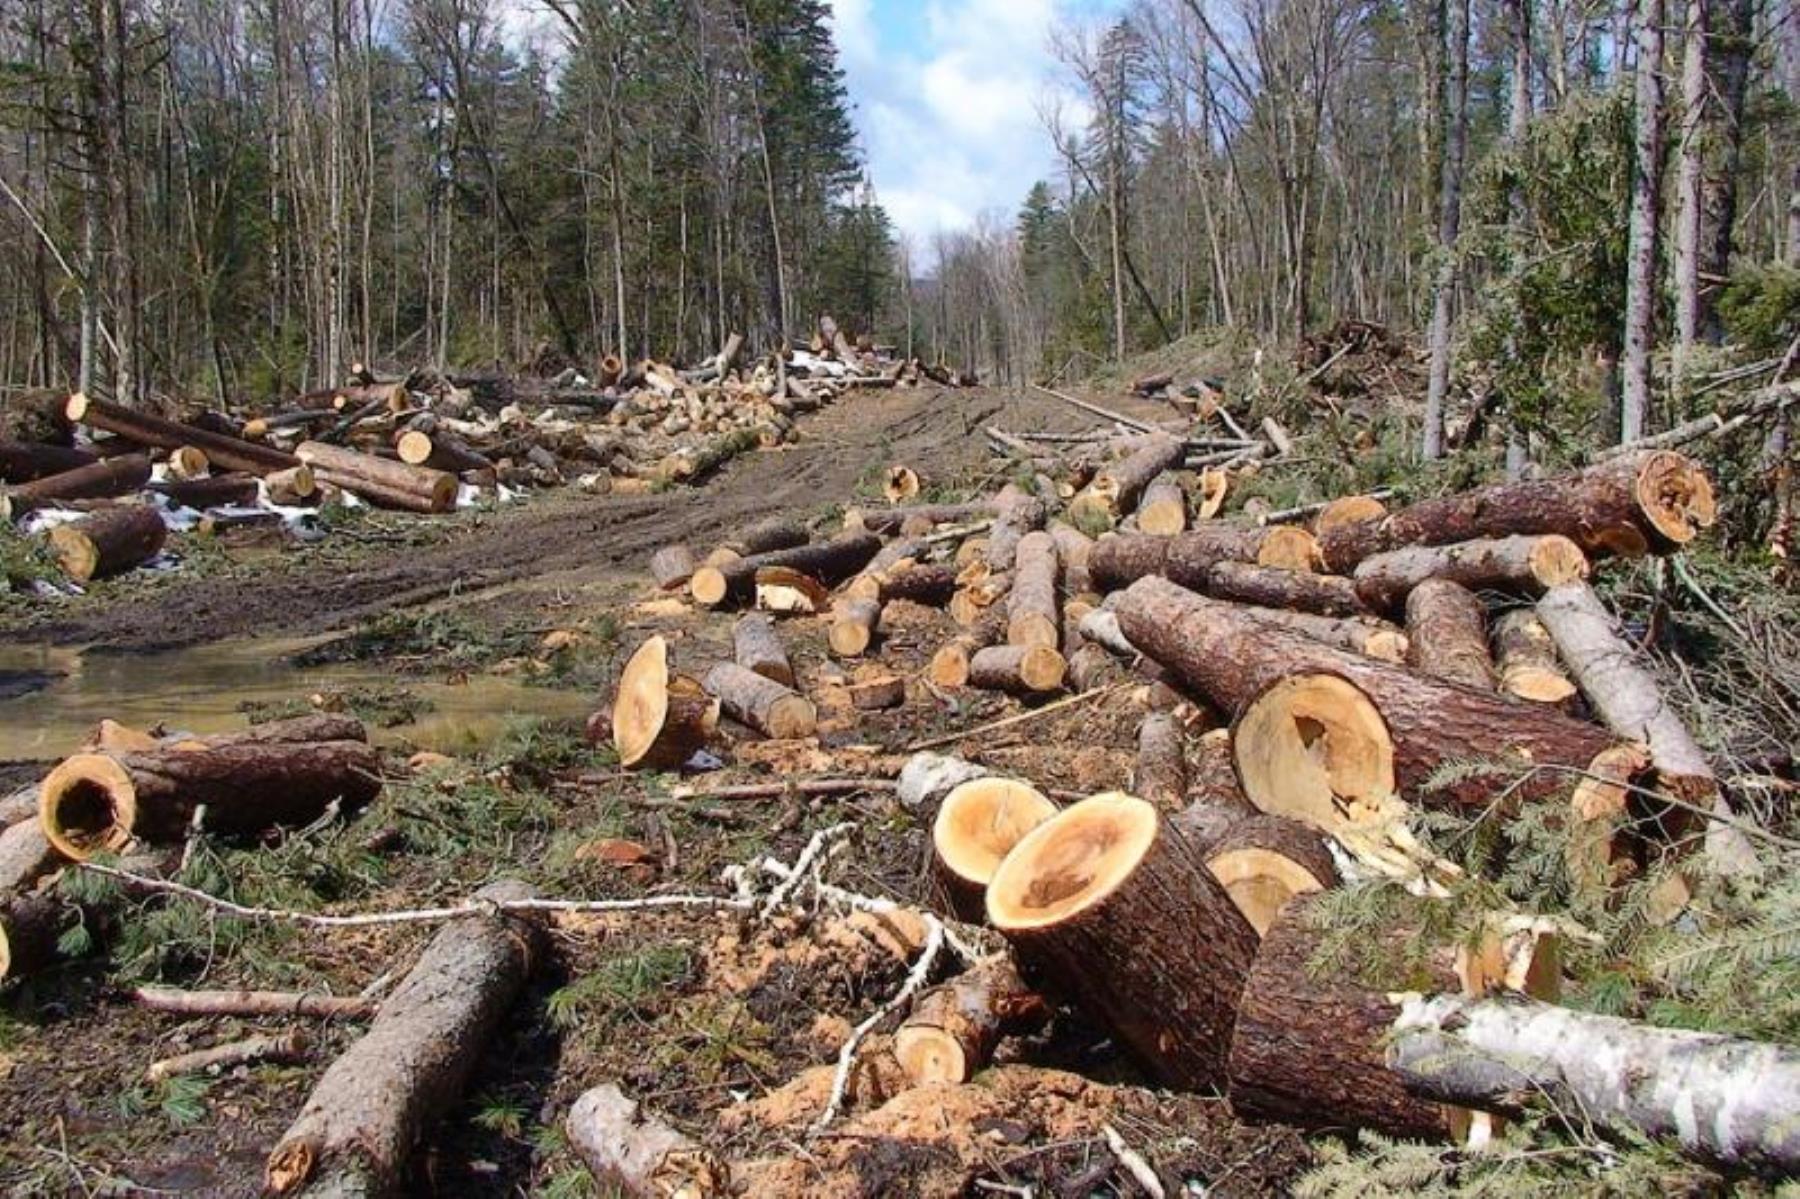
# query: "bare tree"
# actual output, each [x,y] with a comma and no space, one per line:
[1456,118]
[1640,282]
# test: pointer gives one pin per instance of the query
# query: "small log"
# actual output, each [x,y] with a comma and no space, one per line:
[762,703]
[854,626]
[877,692]
[1294,590]
[358,1128]
[1018,669]
[1518,565]
[439,450]
[97,480]
[949,666]
[26,856]
[104,544]
[766,535]
[95,802]
[977,825]
[1151,384]
[633,1153]
[658,718]
[954,1029]
[889,520]
[1446,631]
[1264,862]
[1090,667]
[1160,776]
[830,562]
[757,647]
[1366,635]
[281,1047]
[931,584]
[291,487]
[1188,558]
[381,480]
[213,491]
[1163,511]
[254,1003]
[1073,548]
[1031,608]
[227,453]
[27,461]
[900,484]
[1278,436]
[1119,911]
[1525,656]
[1022,515]
[672,566]
[1631,505]
[187,463]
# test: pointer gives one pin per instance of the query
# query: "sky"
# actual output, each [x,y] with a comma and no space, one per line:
[948,96]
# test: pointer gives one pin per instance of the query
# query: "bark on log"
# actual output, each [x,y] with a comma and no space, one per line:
[1188,558]
[280,1047]
[931,584]
[1365,635]
[659,718]
[1446,631]
[363,1119]
[890,520]
[1031,609]
[854,626]
[1348,510]
[762,703]
[298,730]
[768,534]
[27,461]
[672,566]
[97,480]
[381,480]
[1117,908]
[215,491]
[108,543]
[1293,590]
[1264,861]
[1525,657]
[1160,776]
[1522,565]
[977,825]
[1163,510]
[1024,514]
[254,1003]
[1628,506]
[830,562]
[95,802]
[1320,729]
[291,487]
[439,450]
[227,453]
[1090,667]
[955,1028]
[1017,669]
[633,1153]
[1123,485]
[1073,548]
[757,647]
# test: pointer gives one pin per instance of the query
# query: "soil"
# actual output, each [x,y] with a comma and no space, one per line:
[725,1027]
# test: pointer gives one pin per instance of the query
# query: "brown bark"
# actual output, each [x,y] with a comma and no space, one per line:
[95,802]
[632,1153]
[382,481]
[359,1126]
[279,1047]
[1022,515]
[216,491]
[103,544]
[954,1029]
[1073,548]
[672,566]
[765,705]
[439,450]
[950,665]
[1188,558]
[1125,483]
[769,534]
[27,461]
[291,487]
[1520,565]
[1630,505]
[757,647]
[1295,590]
[227,453]
[889,520]
[1018,669]
[1031,608]
[853,627]
[255,1003]
[1366,635]
[830,562]
[297,730]
[1446,631]
[1119,912]
[1160,776]
[97,480]
[976,826]
[26,855]
[1525,658]
[931,584]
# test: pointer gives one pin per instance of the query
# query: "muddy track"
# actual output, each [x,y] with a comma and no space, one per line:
[937,431]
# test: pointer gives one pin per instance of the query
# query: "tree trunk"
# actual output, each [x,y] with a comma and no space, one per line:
[1019,669]
[1688,212]
[109,542]
[1522,565]
[1163,511]
[658,718]
[1031,606]
[381,480]
[854,626]
[1446,630]
[1160,776]
[976,826]
[1273,587]
[1646,177]
[97,480]
[27,461]
[765,705]
[672,566]
[890,520]
[1455,65]
[214,491]
[1022,515]
[632,1153]
[1073,550]
[1188,558]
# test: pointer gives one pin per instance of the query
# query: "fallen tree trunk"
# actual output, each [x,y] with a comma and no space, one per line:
[26,461]
[381,480]
[955,1028]
[30,927]
[770,533]
[214,491]
[1188,558]
[1116,489]
[439,450]
[227,453]
[931,584]
[1365,635]
[1292,590]
[631,1150]
[1525,657]
[97,480]
[1119,911]
[1520,565]
[1446,632]
[977,824]
[892,520]
[1023,514]
[762,703]
[291,487]
[854,626]
[360,1124]
[757,647]
[1628,506]
[26,855]
[1031,608]
[830,562]
[108,543]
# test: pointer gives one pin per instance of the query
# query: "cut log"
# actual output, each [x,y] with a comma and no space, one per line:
[1163,511]
[931,584]
[766,535]
[925,779]
[1089,668]
[1524,565]
[255,1003]
[1278,436]
[889,520]
[977,825]
[1525,657]
[214,491]
[659,719]
[1446,632]
[227,453]
[1366,635]
[1348,510]
[877,692]
[765,705]
[187,463]
[950,664]
[1018,669]
[97,480]
[1320,730]
[634,1154]
[1655,500]
[291,487]
[381,480]
[1188,558]
[1160,776]
[853,627]
[955,1028]
[439,450]
[900,484]
[104,544]
[98,802]
[1294,590]
[1072,550]
[1120,912]
[26,461]
[1031,608]
[1024,514]
[297,730]
[830,562]
[672,566]
[757,647]
[359,1126]
[279,1047]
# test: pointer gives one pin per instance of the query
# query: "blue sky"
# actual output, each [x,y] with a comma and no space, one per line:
[948,96]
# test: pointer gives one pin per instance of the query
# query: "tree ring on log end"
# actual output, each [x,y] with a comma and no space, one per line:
[1556,560]
[1676,496]
[1315,748]
[981,821]
[1289,548]
[1261,882]
[1071,862]
[88,805]
[645,711]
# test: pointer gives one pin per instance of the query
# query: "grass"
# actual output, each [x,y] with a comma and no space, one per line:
[632,986]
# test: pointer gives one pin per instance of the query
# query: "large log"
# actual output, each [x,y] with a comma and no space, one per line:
[659,718]
[1320,729]
[954,1029]
[757,647]
[765,705]
[1119,911]
[1521,565]
[1525,658]
[384,481]
[853,627]
[1653,500]
[976,826]
[1116,489]
[25,461]
[1293,590]
[359,1126]
[1031,608]
[830,562]
[95,802]
[632,1153]
[1446,633]
[97,480]
[107,543]
[1188,558]
[227,453]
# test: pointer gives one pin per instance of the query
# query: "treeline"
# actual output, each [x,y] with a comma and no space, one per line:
[243,197]
[1467,167]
